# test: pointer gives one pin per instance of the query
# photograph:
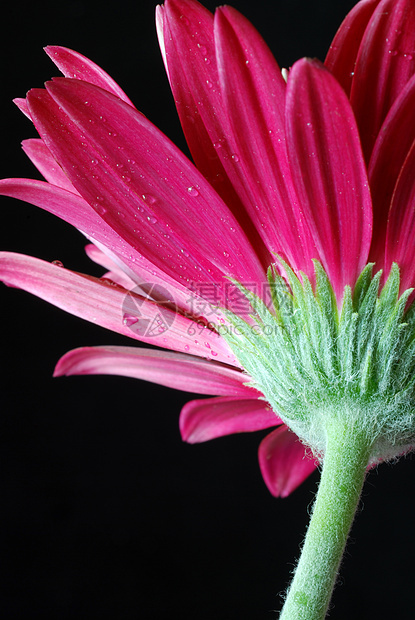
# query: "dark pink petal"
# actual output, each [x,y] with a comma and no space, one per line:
[42,158]
[342,54]
[391,148]
[253,91]
[22,105]
[188,48]
[201,420]
[75,65]
[330,175]
[400,246]
[109,306]
[285,463]
[175,370]
[385,63]
[76,211]
[141,185]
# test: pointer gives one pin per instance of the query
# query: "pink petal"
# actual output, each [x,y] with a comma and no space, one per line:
[329,172]
[42,158]
[389,153]
[386,61]
[188,48]
[285,463]
[341,57]
[254,100]
[108,305]
[175,370]
[75,65]
[141,185]
[21,103]
[114,272]
[76,211]
[202,420]
[400,246]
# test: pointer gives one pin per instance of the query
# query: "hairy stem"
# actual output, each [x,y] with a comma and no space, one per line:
[342,478]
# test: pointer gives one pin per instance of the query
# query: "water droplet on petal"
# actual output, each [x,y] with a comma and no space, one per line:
[58,263]
[186,347]
[235,158]
[152,220]
[192,191]
[149,198]
[184,20]
[129,320]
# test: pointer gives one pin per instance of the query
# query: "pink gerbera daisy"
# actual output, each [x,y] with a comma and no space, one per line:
[249,268]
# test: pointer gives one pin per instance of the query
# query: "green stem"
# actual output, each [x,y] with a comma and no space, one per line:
[344,467]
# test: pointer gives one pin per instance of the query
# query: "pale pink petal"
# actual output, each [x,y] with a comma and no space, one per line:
[342,54]
[75,65]
[175,370]
[202,420]
[142,185]
[330,175]
[253,92]
[386,61]
[285,463]
[109,306]
[391,148]
[188,50]
[114,272]
[41,157]
[400,246]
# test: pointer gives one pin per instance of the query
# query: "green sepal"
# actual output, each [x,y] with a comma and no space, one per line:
[314,360]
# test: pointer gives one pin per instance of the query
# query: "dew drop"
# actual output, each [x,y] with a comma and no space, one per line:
[202,48]
[129,319]
[192,191]
[184,252]
[209,84]
[152,220]
[186,347]
[184,20]
[58,263]
[207,61]
[149,198]
[213,353]
[235,158]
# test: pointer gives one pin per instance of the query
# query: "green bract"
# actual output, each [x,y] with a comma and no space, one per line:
[315,363]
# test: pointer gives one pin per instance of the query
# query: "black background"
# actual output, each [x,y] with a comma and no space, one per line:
[104,511]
